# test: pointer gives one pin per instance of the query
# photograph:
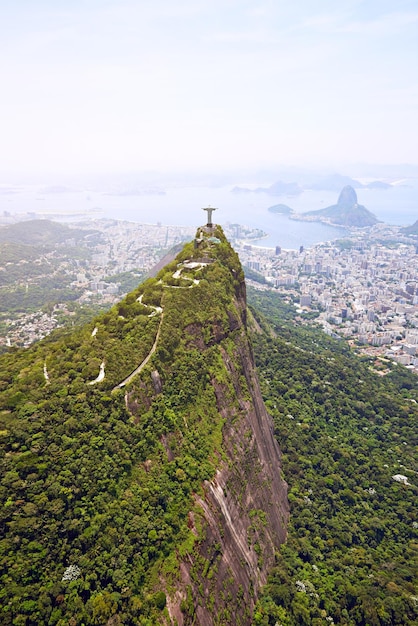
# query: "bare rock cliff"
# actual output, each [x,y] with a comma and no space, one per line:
[245,506]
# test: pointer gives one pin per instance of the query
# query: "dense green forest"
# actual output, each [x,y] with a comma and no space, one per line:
[99,473]
[344,431]
[98,480]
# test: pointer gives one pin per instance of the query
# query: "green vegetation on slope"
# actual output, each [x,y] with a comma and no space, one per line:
[344,431]
[97,482]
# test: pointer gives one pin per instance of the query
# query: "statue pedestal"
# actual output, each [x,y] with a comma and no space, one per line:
[209,228]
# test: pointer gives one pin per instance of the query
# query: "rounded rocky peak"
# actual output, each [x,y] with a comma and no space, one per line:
[348,197]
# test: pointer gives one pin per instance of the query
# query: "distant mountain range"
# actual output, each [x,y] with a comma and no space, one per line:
[331,182]
[334,182]
[278,188]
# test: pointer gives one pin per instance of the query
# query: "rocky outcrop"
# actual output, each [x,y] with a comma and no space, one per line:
[244,508]
[347,212]
[347,197]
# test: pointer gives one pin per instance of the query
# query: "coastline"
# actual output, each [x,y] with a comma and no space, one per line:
[289,231]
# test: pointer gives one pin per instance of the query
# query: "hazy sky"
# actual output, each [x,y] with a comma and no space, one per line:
[90,85]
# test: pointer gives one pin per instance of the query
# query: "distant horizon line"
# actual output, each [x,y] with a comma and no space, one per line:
[401,171]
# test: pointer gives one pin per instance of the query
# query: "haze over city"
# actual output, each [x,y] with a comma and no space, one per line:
[105,86]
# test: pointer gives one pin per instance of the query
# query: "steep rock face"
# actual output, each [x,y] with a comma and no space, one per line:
[245,505]
[347,197]
[243,509]
[347,212]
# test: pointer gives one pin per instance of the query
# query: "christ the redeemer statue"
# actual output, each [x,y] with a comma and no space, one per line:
[209,210]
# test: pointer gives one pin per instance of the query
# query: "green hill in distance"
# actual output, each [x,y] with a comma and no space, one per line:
[280,208]
[411,230]
[43,233]
[39,260]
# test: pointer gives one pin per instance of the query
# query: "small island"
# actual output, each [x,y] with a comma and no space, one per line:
[280,208]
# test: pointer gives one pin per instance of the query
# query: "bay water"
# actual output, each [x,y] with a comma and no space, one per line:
[183,206]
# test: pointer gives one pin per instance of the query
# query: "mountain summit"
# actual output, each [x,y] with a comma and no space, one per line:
[141,480]
[347,212]
[347,198]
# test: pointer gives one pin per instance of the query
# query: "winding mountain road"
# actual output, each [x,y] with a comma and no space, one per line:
[144,362]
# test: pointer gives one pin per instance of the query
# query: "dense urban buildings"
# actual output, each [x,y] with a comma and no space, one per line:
[363,289]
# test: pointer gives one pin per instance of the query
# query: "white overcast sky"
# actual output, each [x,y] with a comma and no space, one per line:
[101,85]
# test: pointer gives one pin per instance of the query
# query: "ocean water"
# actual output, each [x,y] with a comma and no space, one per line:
[183,206]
